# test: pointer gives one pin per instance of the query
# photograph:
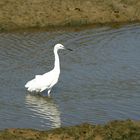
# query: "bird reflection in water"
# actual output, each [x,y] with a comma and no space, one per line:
[45,108]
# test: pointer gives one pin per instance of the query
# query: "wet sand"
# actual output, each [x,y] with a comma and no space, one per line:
[44,13]
[116,130]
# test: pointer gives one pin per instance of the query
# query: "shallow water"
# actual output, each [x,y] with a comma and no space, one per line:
[99,82]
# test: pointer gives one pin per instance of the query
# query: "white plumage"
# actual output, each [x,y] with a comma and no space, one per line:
[49,79]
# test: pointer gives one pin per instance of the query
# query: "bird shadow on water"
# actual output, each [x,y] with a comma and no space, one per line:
[44,108]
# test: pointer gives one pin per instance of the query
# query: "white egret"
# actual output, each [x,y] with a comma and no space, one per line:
[49,79]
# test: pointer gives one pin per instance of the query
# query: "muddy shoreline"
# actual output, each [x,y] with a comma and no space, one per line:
[115,130]
[45,14]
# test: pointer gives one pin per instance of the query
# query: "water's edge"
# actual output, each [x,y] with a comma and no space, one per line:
[127,129]
[38,14]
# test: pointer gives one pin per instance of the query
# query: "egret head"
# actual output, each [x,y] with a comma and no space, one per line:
[60,46]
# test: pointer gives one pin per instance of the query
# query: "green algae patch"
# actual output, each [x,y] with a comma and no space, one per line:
[115,130]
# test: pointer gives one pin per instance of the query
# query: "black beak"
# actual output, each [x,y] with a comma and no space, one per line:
[69,49]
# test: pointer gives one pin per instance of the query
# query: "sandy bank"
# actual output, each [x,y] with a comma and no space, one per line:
[15,14]
[116,130]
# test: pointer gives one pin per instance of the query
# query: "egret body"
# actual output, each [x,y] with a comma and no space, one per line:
[49,79]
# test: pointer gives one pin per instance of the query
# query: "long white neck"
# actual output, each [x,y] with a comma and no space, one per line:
[56,62]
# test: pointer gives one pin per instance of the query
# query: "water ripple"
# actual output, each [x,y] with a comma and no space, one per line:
[100,79]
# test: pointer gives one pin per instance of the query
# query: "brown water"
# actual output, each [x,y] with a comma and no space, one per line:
[99,82]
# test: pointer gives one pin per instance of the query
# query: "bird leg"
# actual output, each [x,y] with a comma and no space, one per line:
[49,90]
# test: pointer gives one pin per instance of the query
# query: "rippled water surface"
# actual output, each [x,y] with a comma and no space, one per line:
[99,82]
